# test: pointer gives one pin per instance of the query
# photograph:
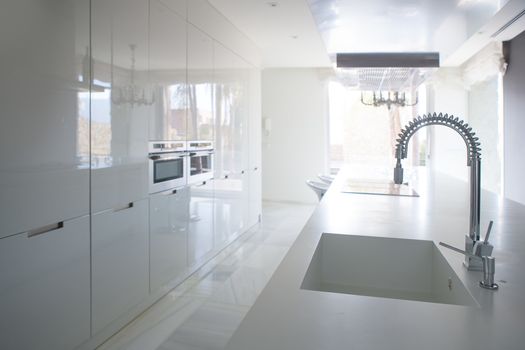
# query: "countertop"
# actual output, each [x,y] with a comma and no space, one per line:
[288,317]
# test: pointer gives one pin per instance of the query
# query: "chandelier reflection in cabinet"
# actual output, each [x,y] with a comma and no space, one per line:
[132,94]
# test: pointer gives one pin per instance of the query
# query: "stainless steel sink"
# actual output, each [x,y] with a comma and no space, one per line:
[384,267]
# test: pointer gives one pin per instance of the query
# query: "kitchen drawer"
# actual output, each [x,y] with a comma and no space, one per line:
[119,263]
[45,288]
[169,216]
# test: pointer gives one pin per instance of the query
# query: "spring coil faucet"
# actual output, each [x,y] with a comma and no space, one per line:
[472,240]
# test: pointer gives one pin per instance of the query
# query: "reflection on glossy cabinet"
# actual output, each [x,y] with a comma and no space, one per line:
[169,216]
[200,79]
[119,262]
[254,146]
[44,289]
[230,209]
[44,142]
[121,101]
[179,6]
[200,225]
[167,73]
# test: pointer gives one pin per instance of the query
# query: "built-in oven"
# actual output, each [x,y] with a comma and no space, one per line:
[200,167]
[167,165]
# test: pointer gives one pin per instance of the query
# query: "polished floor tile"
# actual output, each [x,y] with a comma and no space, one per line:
[203,312]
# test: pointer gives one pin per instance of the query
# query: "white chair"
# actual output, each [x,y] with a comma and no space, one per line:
[319,188]
[326,178]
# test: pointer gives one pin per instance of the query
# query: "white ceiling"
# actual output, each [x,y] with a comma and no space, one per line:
[286,34]
[302,33]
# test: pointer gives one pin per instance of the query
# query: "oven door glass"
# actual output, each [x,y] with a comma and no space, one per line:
[168,169]
[200,164]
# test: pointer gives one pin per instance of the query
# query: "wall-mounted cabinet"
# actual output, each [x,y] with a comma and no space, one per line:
[200,225]
[44,138]
[167,73]
[200,85]
[45,288]
[254,147]
[168,229]
[121,101]
[85,86]
[119,262]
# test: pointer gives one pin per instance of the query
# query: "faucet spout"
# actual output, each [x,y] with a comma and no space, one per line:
[473,161]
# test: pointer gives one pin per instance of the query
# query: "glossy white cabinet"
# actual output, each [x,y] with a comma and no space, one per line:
[200,225]
[254,146]
[168,222]
[44,133]
[121,101]
[200,85]
[44,288]
[167,73]
[179,6]
[119,262]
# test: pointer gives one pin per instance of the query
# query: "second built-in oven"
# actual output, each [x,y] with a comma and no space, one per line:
[200,159]
[167,165]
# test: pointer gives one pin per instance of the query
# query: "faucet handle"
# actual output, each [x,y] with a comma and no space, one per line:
[489,266]
[484,248]
[487,235]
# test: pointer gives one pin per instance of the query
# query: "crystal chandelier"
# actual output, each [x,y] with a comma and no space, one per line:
[131,94]
[387,98]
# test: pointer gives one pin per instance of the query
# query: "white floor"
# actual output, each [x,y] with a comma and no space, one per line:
[205,310]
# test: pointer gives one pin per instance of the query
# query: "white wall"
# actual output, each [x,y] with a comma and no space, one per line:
[514,129]
[448,153]
[294,150]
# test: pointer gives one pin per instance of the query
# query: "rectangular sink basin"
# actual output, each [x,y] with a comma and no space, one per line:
[384,267]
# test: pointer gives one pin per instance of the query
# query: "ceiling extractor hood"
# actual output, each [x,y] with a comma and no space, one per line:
[388,60]
[386,71]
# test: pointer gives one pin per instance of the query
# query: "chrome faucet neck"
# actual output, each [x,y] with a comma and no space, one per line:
[473,159]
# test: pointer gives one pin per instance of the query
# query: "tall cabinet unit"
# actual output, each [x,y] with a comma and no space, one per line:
[86,86]
[169,217]
[167,71]
[44,138]
[254,147]
[121,102]
[44,174]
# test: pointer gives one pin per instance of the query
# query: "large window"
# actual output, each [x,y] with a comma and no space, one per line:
[363,138]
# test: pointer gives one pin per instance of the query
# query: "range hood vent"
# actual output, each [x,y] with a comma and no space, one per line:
[388,60]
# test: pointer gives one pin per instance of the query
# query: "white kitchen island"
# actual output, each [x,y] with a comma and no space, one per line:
[288,317]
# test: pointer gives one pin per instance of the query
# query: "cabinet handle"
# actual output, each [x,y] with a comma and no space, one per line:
[127,206]
[242,172]
[226,176]
[201,184]
[170,193]
[45,229]
[255,169]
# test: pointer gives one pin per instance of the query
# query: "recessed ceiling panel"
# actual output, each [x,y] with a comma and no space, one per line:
[400,25]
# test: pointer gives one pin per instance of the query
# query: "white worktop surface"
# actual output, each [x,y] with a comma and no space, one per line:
[287,317]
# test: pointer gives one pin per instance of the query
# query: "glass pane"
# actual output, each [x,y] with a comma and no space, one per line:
[168,170]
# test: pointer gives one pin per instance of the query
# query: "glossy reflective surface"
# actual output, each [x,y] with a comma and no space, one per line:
[400,26]
[44,138]
[119,118]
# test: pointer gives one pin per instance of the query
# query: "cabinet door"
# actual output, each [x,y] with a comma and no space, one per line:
[44,133]
[254,146]
[200,79]
[179,6]
[200,227]
[167,73]
[45,288]
[121,102]
[119,262]
[169,216]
